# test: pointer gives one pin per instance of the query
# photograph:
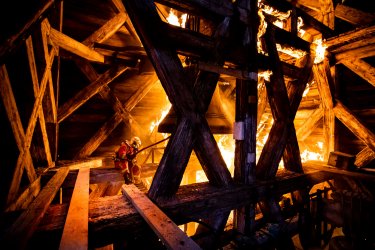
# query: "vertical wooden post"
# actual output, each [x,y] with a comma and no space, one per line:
[246,119]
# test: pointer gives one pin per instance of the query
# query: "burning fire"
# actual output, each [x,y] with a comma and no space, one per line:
[226,145]
[296,53]
[319,51]
[163,114]
[307,155]
[301,31]
[266,74]
[174,20]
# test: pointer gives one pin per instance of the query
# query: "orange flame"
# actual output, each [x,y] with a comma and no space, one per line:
[319,51]
[174,20]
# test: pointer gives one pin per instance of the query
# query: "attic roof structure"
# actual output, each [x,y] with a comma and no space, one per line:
[256,121]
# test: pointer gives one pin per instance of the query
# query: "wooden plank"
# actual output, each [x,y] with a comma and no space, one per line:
[170,234]
[73,46]
[362,69]
[364,157]
[87,163]
[75,234]
[22,229]
[355,125]
[18,38]
[89,91]
[328,13]
[107,30]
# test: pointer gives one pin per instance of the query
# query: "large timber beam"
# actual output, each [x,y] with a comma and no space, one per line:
[362,69]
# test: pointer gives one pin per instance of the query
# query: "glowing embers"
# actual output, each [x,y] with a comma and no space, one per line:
[319,51]
[175,20]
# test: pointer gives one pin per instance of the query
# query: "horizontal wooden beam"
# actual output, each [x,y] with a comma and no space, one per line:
[169,233]
[317,165]
[92,162]
[109,214]
[22,229]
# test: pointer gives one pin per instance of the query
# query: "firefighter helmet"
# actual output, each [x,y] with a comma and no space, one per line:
[135,142]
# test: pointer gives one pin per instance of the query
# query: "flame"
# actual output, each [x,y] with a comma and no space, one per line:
[266,74]
[296,53]
[200,176]
[226,145]
[174,20]
[261,31]
[307,155]
[300,23]
[319,51]
[307,89]
[163,114]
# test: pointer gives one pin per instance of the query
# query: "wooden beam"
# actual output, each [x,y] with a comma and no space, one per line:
[307,19]
[107,30]
[310,124]
[26,197]
[75,233]
[327,12]
[17,128]
[170,71]
[22,229]
[359,53]
[317,165]
[108,214]
[322,76]
[122,114]
[355,125]
[334,43]
[18,38]
[89,91]
[354,16]
[34,78]
[129,26]
[169,233]
[364,157]
[362,69]
[63,41]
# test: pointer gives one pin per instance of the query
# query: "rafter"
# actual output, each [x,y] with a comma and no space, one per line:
[362,69]
[364,157]
[34,78]
[56,38]
[122,114]
[107,30]
[89,91]
[310,124]
[355,125]
[18,132]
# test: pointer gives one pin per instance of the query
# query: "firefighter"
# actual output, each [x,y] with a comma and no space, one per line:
[125,160]
[121,161]
[135,144]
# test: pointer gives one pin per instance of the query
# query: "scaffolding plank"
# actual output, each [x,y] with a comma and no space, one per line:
[75,234]
[163,226]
